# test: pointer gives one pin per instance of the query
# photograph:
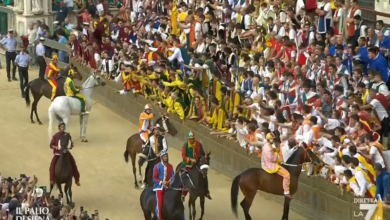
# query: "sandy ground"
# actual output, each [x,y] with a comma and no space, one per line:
[106,180]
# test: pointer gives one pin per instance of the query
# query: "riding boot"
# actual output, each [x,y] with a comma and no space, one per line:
[206,187]
[76,173]
[52,168]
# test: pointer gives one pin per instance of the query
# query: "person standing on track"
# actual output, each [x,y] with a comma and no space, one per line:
[23,61]
[40,52]
[163,176]
[9,44]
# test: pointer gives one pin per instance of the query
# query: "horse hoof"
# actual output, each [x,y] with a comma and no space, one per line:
[136,186]
[32,122]
[40,123]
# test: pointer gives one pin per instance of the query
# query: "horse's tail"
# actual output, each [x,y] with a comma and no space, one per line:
[234,194]
[51,118]
[126,155]
[27,94]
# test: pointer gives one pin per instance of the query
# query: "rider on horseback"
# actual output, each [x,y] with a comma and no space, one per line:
[72,91]
[271,159]
[51,75]
[57,153]
[158,143]
[191,151]
[163,176]
[146,123]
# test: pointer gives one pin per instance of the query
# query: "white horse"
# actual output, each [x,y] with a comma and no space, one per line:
[63,107]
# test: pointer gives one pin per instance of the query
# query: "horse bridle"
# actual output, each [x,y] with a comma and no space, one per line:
[181,179]
[149,153]
[91,87]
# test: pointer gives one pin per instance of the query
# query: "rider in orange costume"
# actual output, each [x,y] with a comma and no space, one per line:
[146,123]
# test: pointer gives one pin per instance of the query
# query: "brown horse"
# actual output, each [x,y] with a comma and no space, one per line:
[254,179]
[41,87]
[63,169]
[134,146]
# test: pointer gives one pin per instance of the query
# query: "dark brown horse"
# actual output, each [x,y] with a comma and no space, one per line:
[41,87]
[134,146]
[152,159]
[254,179]
[63,169]
[198,175]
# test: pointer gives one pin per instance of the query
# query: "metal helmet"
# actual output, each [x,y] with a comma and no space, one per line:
[148,107]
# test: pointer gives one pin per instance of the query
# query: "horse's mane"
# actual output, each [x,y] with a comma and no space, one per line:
[64,140]
[292,157]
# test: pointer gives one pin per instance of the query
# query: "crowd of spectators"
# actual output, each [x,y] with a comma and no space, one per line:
[21,197]
[317,73]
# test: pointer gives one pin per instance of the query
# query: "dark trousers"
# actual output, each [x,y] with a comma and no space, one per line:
[10,57]
[42,66]
[385,127]
[23,77]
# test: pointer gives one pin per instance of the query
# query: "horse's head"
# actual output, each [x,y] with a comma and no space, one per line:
[302,154]
[203,164]
[146,154]
[165,123]
[184,179]
[77,74]
[93,81]
[65,143]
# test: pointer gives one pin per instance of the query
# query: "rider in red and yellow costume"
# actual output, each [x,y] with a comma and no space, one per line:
[146,123]
[57,153]
[51,75]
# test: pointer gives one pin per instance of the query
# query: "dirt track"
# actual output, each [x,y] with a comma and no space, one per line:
[106,180]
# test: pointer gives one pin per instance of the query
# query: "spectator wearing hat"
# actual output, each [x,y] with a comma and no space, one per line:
[9,44]
[23,61]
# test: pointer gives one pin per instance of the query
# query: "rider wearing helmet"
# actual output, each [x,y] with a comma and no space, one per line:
[271,159]
[191,151]
[163,176]
[51,75]
[57,153]
[146,123]
[72,91]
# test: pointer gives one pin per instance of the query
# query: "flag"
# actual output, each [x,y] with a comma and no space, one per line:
[174,19]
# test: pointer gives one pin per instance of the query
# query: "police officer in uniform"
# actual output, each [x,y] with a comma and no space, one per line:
[9,44]
[23,60]
[40,51]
